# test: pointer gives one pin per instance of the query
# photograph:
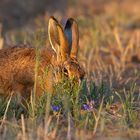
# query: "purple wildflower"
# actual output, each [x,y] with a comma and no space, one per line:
[56,107]
[89,105]
[86,107]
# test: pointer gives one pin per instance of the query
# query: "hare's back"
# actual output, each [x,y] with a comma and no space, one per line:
[22,55]
[14,67]
[13,57]
[17,65]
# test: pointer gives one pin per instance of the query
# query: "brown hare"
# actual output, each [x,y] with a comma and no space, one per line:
[19,72]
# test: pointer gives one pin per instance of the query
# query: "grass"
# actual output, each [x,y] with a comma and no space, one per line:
[105,106]
[71,112]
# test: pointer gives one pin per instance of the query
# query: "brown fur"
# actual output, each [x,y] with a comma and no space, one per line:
[17,68]
[18,65]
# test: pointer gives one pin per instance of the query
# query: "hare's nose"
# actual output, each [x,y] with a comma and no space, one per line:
[81,78]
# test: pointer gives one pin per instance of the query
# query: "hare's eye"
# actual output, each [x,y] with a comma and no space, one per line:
[65,71]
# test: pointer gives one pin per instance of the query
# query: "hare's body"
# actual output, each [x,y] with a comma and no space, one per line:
[17,68]
[23,67]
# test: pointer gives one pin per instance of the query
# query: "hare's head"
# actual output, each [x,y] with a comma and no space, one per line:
[65,43]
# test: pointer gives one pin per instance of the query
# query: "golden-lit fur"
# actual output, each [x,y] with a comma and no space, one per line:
[1,38]
[21,66]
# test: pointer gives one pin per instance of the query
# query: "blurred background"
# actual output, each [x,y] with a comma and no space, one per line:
[17,13]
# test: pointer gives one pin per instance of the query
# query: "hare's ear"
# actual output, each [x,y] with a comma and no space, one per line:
[64,50]
[53,34]
[72,34]
[58,39]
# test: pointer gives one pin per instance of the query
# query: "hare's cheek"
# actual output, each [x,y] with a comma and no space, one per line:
[58,77]
[72,75]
